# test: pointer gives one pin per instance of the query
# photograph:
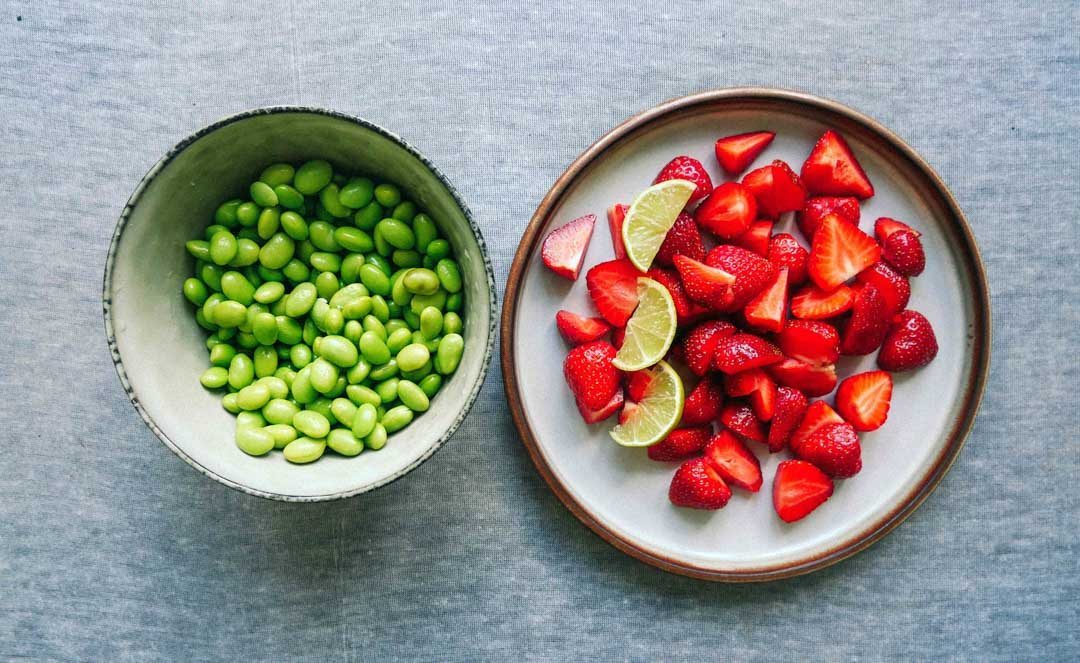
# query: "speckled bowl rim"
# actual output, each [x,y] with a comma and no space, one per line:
[106,300]
[971,262]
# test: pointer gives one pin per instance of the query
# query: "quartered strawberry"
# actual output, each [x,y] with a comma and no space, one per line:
[590,374]
[900,246]
[681,443]
[698,486]
[683,238]
[785,251]
[832,170]
[839,252]
[691,170]
[752,275]
[893,287]
[616,214]
[741,352]
[909,343]
[790,408]
[686,311]
[564,248]
[736,153]
[728,211]
[818,208]
[818,414]
[813,303]
[756,237]
[768,310]
[756,384]
[798,489]
[807,378]
[613,288]
[729,456]
[637,385]
[739,419]
[702,283]
[863,399]
[703,403]
[777,189]
[810,341]
[596,416]
[834,449]
[578,329]
[865,331]
[699,346]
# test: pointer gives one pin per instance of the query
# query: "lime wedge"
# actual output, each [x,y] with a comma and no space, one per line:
[650,420]
[650,218]
[650,330]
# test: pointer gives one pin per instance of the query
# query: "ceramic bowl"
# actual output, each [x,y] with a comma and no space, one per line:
[159,350]
[619,492]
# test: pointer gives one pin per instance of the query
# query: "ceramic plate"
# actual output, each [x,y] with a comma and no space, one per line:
[621,494]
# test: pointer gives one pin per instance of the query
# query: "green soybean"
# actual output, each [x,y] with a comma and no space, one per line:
[353,239]
[222,247]
[214,377]
[304,450]
[331,203]
[265,360]
[412,396]
[277,251]
[344,442]
[425,231]
[294,226]
[421,281]
[296,271]
[253,397]
[311,423]
[254,441]
[374,279]
[228,401]
[324,261]
[364,420]
[339,351]
[237,288]
[268,223]
[250,420]
[359,372]
[373,349]
[301,299]
[195,291]
[229,314]
[384,372]
[288,197]
[452,323]
[380,262]
[211,276]
[277,386]
[350,268]
[359,394]
[247,253]
[412,356]
[404,211]
[263,194]
[277,173]
[432,322]
[387,390]
[439,249]
[269,292]
[379,308]
[321,235]
[343,410]
[397,234]
[289,331]
[327,284]
[449,353]
[396,418]
[247,341]
[312,176]
[222,354]
[357,193]
[198,248]
[247,214]
[398,340]
[421,302]
[283,434]
[357,309]
[225,214]
[241,371]
[453,302]
[367,217]
[388,195]
[302,391]
[280,411]
[430,384]
[324,375]
[376,439]
[449,275]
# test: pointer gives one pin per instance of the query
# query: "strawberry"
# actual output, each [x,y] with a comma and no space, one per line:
[683,238]
[813,303]
[835,449]
[894,288]
[810,341]
[592,416]
[900,246]
[818,208]
[591,376]
[702,403]
[736,153]
[741,352]
[756,237]
[617,336]
[798,489]
[777,189]
[885,226]
[681,443]
[698,486]
[728,211]
[785,251]
[685,310]
[909,343]
[740,419]
[616,214]
[613,288]
[839,252]
[702,283]
[691,170]
[818,414]
[756,384]
[809,379]
[790,408]
[768,310]
[578,329]
[752,275]
[863,399]
[637,385]
[699,346]
[732,460]
[564,248]
[832,170]
[866,329]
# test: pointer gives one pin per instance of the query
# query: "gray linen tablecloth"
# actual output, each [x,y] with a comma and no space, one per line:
[111,548]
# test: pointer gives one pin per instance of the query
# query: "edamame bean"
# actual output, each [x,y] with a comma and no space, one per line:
[277,251]
[324,375]
[277,173]
[312,176]
[228,401]
[382,247]
[225,214]
[364,420]
[294,226]
[304,450]
[246,341]
[430,385]
[432,323]
[394,324]
[269,292]
[412,356]
[396,418]
[280,411]
[296,271]
[265,328]
[376,439]
[221,354]
[247,214]
[211,276]
[404,211]
[374,279]
[387,390]
[425,231]
[350,268]
[310,332]
[409,258]
[453,302]
[388,195]
[380,262]
[331,203]
[439,249]
[357,193]
[398,340]
[373,349]
[359,372]
[301,299]
[268,223]
[412,397]
[334,321]
[399,294]
[214,377]
[418,374]
[412,319]
[353,239]
[241,371]
[449,353]
[379,308]
[288,197]
[311,423]
[367,217]
[343,410]
[195,291]
[265,360]
[348,293]
[277,386]
[283,434]
[254,441]
[222,247]
[247,253]
[286,375]
[421,281]
[237,288]
[359,394]
[339,351]
[326,284]
[229,314]
[321,235]
[372,324]
[289,331]
[325,261]
[357,308]
[384,372]
[250,420]
[263,194]
[302,391]
[253,396]
[344,442]
[449,275]
[420,302]
[452,323]
[397,234]
[198,248]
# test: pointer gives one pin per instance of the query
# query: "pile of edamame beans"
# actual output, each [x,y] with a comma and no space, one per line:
[334,311]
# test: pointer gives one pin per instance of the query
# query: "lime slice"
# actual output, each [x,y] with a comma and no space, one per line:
[650,330]
[650,420]
[650,218]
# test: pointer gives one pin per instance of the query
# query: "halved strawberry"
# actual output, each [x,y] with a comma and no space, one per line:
[818,208]
[613,288]
[728,211]
[741,352]
[703,403]
[702,283]
[790,408]
[894,288]
[739,419]
[798,489]
[564,248]
[698,486]
[756,384]
[637,384]
[865,331]
[863,399]
[689,169]
[592,416]
[756,237]
[813,303]
[840,251]
[730,457]
[686,311]
[834,448]
[832,169]
[752,275]
[777,189]
[590,374]
[809,379]
[699,346]
[615,216]
[736,153]
[577,329]
[909,343]
[818,414]
[810,341]
[681,443]
[785,251]
[683,238]
[768,310]
[900,246]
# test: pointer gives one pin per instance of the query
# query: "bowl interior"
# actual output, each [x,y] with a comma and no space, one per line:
[161,348]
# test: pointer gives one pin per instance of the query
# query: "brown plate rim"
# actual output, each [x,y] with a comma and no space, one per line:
[981,328]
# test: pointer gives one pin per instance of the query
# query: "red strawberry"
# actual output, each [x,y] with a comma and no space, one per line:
[730,457]
[689,169]
[699,346]
[577,329]
[813,303]
[884,227]
[564,248]
[613,288]
[863,399]
[756,237]
[740,419]
[866,329]
[596,416]
[752,275]
[681,443]
[909,343]
[818,414]
[741,352]
[590,374]
[810,341]
[809,379]
[835,449]
[840,251]
[637,385]
[798,489]
[768,310]
[728,211]
[683,238]
[832,170]
[785,251]
[777,189]
[685,310]
[893,287]
[702,283]
[617,336]
[818,208]
[698,486]
[900,247]
[703,403]
[736,153]
[789,411]
[616,214]
[756,384]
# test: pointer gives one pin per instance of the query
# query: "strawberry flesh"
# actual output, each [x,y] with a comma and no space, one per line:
[736,153]
[798,489]
[578,329]
[813,303]
[768,310]
[699,346]
[818,414]
[894,288]
[818,208]
[832,169]
[839,252]
[863,399]
[756,238]
[686,311]
[777,189]
[752,273]
[809,379]
[810,341]
[613,288]
[741,352]
[592,416]
[728,211]
[865,331]
[615,216]
[702,283]
[564,248]
[733,461]
[740,419]
[756,384]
